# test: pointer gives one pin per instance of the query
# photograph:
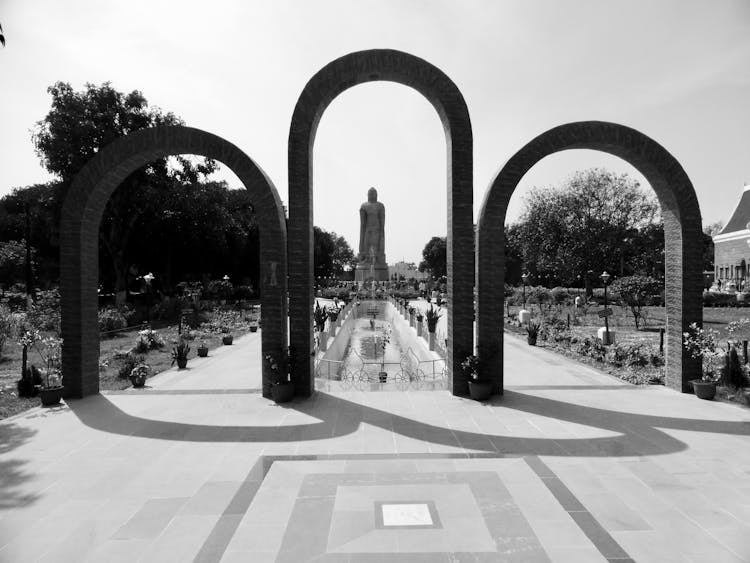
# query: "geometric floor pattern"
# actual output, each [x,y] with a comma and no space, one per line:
[332,508]
[570,465]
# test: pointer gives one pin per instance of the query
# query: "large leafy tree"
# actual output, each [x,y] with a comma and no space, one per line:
[331,253]
[78,125]
[434,257]
[592,222]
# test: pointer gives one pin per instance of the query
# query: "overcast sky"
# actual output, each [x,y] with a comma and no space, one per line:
[678,71]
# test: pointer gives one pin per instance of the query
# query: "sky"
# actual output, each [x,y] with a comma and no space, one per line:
[676,70]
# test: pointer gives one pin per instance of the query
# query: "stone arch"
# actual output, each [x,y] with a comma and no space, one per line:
[336,77]
[79,230]
[682,233]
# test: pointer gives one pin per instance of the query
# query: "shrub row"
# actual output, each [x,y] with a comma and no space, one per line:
[713,299]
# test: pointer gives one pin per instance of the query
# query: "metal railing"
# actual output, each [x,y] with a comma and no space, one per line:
[408,372]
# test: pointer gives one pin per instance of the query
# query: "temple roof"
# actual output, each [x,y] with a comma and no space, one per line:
[741,216]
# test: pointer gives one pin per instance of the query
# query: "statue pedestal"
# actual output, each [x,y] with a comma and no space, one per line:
[364,272]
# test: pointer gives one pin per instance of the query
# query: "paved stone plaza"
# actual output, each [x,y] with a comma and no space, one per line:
[570,465]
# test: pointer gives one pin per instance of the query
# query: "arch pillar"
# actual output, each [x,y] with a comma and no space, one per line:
[682,233]
[82,211]
[336,77]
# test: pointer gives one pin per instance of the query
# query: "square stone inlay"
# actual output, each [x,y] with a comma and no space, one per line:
[399,514]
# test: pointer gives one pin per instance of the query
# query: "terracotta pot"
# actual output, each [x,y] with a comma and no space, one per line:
[704,389]
[182,363]
[253,328]
[480,390]
[531,340]
[138,380]
[202,351]
[282,392]
[227,339]
[50,396]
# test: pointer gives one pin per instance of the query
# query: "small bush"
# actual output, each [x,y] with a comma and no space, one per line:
[148,340]
[129,362]
[45,313]
[110,319]
[241,292]
[7,326]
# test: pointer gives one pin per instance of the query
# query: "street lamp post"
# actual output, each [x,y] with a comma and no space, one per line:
[148,278]
[525,279]
[605,279]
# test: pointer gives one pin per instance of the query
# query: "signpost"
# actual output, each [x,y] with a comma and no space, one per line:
[604,313]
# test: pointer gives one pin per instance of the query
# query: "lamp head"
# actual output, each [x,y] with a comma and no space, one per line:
[605,277]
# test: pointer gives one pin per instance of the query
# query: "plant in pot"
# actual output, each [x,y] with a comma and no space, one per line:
[139,374]
[253,324]
[701,343]
[333,314]
[48,348]
[532,330]
[384,341]
[479,389]
[320,315]
[203,349]
[180,353]
[433,316]
[420,320]
[282,388]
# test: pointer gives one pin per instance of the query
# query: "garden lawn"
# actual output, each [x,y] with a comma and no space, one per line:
[109,348]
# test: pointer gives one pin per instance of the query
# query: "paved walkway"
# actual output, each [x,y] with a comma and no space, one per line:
[569,465]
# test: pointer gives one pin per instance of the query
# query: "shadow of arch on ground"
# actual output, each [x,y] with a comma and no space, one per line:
[682,234]
[336,77]
[79,230]
[636,434]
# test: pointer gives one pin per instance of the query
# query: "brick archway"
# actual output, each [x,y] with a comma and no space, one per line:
[682,232]
[336,77]
[79,241]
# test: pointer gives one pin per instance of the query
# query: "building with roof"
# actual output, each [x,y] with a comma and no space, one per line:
[732,248]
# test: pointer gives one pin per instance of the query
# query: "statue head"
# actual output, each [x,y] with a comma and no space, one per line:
[372,195]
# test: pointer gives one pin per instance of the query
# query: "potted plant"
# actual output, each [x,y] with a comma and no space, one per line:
[282,388]
[139,374]
[319,316]
[701,343]
[433,316]
[385,339]
[203,349]
[420,320]
[412,311]
[227,338]
[479,389]
[48,348]
[253,325]
[180,353]
[333,314]
[532,330]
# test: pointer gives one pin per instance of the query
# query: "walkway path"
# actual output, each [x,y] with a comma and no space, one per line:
[569,465]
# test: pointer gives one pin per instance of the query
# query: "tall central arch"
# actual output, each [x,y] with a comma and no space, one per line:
[336,77]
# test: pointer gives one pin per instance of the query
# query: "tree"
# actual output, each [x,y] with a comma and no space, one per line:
[636,292]
[78,125]
[12,262]
[331,253]
[343,255]
[709,231]
[434,257]
[323,248]
[587,223]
